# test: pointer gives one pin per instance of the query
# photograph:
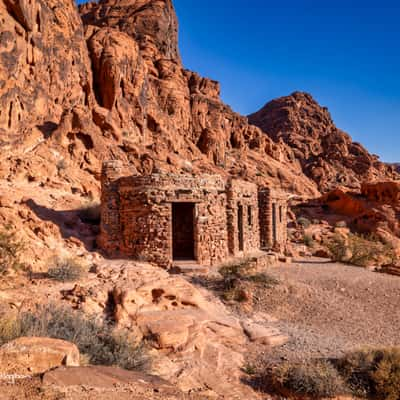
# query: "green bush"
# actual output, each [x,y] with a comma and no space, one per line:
[10,249]
[316,378]
[66,269]
[373,372]
[99,342]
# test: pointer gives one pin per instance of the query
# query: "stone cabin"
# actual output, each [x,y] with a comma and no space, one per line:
[163,218]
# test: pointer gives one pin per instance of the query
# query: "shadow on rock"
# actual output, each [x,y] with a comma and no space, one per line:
[80,224]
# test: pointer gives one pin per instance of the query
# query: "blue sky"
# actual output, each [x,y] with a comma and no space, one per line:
[345,53]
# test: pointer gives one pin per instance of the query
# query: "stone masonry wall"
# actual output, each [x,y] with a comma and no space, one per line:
[110,234]
[137,217]
[272,202]
[145,216]
[244,194]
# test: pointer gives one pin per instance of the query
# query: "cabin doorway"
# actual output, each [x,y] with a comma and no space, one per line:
[183,231]
[274,224]
[240,227]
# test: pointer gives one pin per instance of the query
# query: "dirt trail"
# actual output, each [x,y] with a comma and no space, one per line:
[328,308]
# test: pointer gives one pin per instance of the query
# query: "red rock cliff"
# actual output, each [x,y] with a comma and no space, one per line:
[327,155]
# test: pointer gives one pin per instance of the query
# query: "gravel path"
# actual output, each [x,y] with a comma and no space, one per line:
[328,308]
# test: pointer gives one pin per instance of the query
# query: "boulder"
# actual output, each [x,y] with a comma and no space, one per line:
[35,355]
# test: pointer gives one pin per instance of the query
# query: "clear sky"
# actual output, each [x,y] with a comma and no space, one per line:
[345,53]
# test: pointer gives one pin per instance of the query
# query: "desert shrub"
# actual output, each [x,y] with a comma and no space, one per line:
[90,213]
[304,222]
[66,269]
[10,328]
[265,279]
[10,249]
[341,224]
[308,240]
[363,251]
[249,369]
[62,165]
[373,372]
[236,274]
[99,342]
[236,268]
[236,293]
[316,378]
[338,248]
[359,250]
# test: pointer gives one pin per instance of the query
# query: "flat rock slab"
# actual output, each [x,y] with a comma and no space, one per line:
[104,377]
[264,334]
[35,355]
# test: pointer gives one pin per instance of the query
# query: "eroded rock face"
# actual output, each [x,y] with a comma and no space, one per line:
[327,155]
[197,344]
[74,93]
[382,192]
[43,66]
[373,209]
[152,23]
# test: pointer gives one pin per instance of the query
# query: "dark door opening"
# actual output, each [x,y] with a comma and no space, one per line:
[183,231]
[274,222]
[240,227]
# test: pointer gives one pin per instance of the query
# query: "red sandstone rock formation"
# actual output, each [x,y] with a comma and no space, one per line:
[74,93]
[110,85]
[373,210]
[327,155]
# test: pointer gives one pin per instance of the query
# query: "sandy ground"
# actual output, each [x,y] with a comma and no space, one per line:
[328,309]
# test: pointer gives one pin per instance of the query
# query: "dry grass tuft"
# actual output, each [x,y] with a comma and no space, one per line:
[66,269]
[99,342]
[359,250]
[10,249]
[314,378]
[373,372]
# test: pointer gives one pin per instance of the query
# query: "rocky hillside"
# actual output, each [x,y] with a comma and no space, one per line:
[80,86]
[327,155]
[113,86]
[106,82]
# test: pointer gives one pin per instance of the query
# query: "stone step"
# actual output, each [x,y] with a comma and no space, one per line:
[189,268]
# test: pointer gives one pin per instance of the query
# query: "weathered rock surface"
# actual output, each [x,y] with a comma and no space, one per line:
[372,211]
[328,155]
[103,377]
[74,93]
[265,335]
[94,383]
[34,355]
[196,342]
